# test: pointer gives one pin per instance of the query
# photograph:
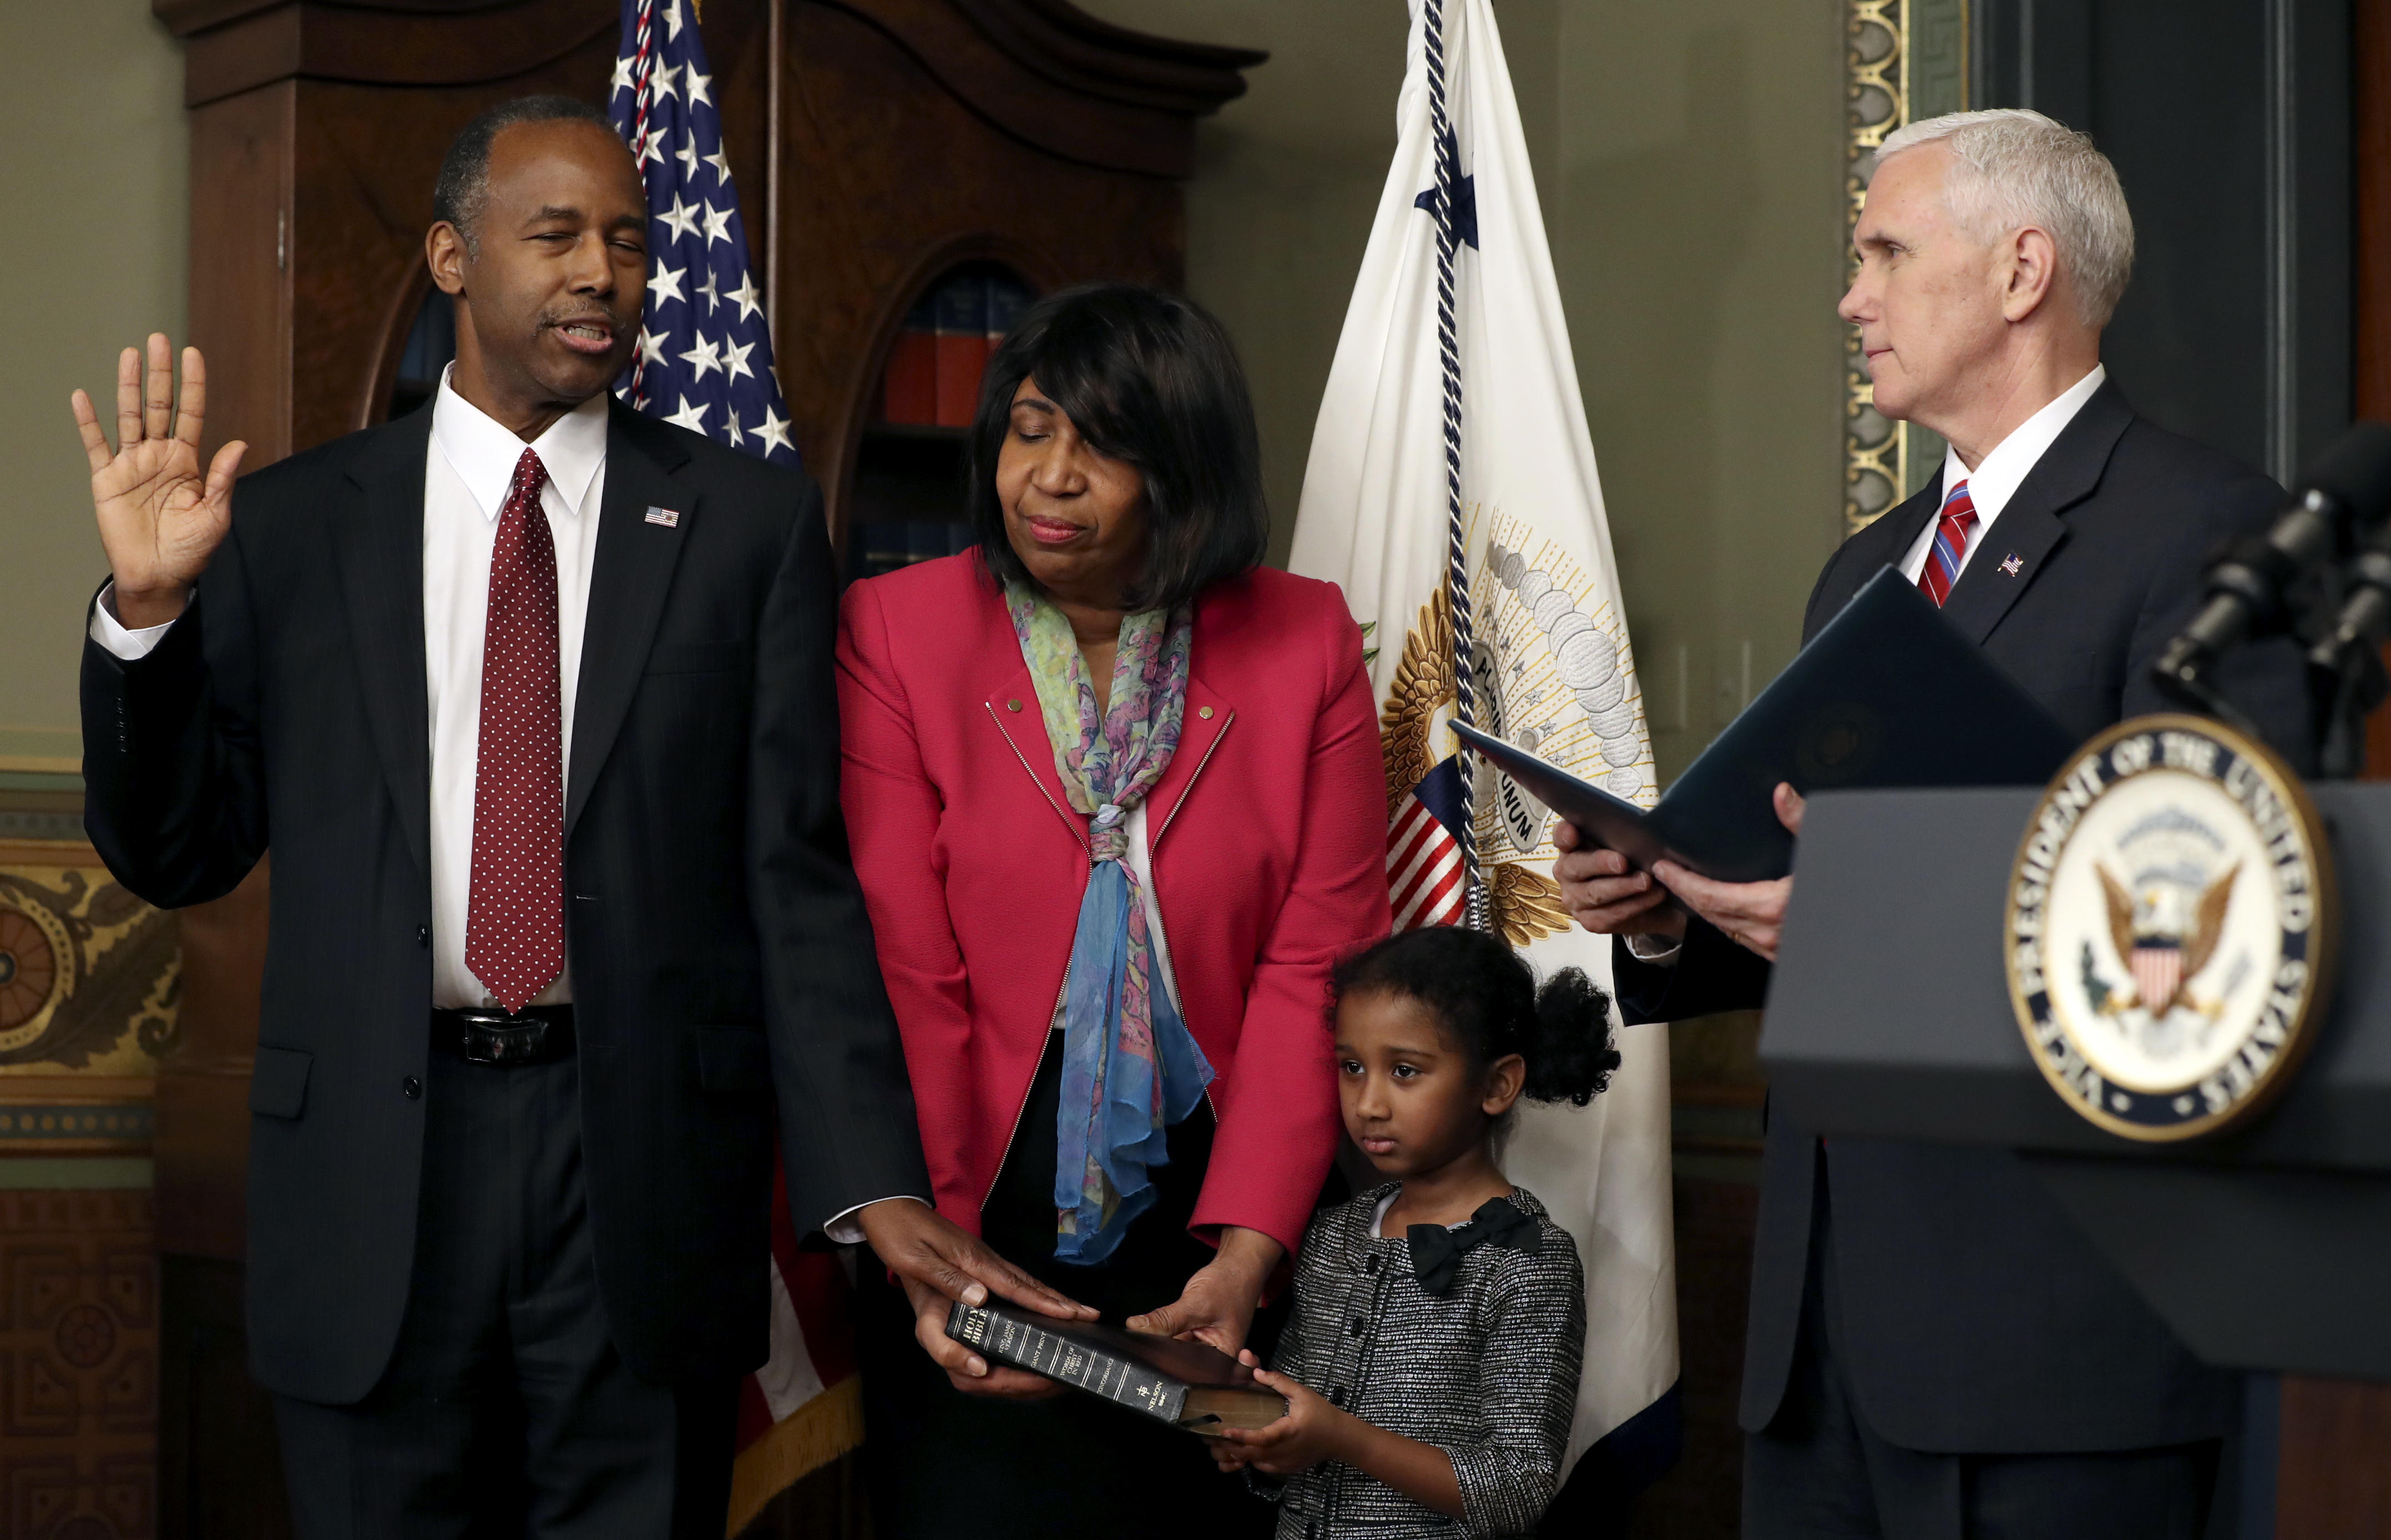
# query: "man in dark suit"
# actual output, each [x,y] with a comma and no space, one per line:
[1934,1349]
[531,698]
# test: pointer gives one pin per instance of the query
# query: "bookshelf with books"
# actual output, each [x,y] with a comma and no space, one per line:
[907,502]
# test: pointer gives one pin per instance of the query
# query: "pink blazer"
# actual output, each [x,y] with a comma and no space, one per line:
[1269,840]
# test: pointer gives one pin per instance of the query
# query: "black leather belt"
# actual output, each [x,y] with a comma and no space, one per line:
[505,1039]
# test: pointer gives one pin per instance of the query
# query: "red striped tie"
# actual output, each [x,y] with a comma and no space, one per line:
[1950,547]
[514,918]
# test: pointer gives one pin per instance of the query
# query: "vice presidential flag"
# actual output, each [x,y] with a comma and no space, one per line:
[1452,493]
[705,363]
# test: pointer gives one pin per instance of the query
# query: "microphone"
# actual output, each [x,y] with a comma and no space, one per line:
[2347,492]
[2365,618]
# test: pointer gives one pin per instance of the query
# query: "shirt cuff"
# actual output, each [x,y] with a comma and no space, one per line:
[845,1229]
[125,644]
[1659,951]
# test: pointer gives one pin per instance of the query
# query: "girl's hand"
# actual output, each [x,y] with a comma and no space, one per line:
[1312,1431]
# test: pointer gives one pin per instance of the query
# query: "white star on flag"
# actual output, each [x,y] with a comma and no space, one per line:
[692,415]
[706,355]
[744,296]
[773,429]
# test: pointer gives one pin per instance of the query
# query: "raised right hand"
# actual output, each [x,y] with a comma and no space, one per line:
[159,520]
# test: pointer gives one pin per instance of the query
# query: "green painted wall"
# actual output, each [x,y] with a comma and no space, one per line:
[1688,158]
[94,177]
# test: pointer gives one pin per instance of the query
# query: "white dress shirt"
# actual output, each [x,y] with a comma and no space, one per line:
[2002,471]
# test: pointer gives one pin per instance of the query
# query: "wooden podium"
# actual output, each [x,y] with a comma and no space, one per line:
[2267,1249]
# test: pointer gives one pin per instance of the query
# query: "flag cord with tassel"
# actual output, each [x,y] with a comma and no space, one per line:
[1448,191]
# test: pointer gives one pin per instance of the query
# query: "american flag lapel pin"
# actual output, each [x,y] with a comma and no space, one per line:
[669,518]
[2012,564]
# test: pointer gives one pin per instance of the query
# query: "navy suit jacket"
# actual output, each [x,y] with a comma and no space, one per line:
[1976,1318]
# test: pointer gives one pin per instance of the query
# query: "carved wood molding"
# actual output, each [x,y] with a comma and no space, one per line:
[1044,71]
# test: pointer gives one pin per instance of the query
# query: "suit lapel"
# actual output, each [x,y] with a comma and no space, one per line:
[1880,544]
[378,549]
[629,577]
[2030,528]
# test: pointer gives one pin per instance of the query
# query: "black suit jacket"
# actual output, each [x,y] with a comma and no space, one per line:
[1977,1318]
[722,963]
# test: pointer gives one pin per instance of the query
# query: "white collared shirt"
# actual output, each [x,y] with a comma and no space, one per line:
[465,481]
[1996,481]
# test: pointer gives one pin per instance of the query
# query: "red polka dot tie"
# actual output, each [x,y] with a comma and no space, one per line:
[514,924]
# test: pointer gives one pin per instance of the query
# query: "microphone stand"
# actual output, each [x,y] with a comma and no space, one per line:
[2267,585]
[2345,674]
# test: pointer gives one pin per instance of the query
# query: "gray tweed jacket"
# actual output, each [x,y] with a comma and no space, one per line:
[1487,1372]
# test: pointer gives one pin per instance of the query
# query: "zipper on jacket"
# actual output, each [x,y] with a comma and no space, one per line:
[1023,1111]
[990,707]
[1210,750]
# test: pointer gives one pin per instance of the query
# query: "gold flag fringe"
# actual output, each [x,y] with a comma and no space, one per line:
[802,1442]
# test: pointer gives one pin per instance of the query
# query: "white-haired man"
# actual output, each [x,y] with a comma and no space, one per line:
[1933,1350]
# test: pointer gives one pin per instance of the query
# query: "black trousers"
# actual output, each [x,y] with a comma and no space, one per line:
[941,1464]
[1818,1472]
[506,1410]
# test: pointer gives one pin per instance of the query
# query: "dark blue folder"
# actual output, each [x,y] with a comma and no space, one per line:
[1887,694]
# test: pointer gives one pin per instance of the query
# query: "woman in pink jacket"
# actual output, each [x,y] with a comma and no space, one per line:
[1117,803]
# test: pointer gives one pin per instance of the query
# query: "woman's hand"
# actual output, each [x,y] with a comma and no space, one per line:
[1312,1431]
[1217,1305]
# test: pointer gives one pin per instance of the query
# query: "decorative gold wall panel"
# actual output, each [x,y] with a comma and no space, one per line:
[1903,61]
[89,976]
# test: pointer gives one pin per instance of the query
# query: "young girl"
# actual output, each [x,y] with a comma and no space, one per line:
[1430,1368]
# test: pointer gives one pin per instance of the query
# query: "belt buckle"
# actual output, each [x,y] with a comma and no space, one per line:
[499,1038]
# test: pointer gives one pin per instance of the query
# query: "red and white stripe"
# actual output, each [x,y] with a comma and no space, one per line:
[1424,876]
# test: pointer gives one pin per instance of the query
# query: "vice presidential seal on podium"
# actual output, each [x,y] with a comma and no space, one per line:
[2170,928]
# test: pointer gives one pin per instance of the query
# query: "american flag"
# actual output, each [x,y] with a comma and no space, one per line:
[705,350]
[705,362]
[1425,874]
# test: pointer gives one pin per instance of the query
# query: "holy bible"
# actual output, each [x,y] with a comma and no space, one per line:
[1188,1384]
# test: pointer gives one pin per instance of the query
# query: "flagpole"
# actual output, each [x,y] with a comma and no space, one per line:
[774,44]
[1448,191]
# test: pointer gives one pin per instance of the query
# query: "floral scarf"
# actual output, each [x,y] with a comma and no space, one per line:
[1131,1068]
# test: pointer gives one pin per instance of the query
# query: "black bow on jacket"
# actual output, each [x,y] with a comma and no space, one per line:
[1436,1252]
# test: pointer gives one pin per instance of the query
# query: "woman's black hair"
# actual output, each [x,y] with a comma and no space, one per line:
[1150,379]
[1486,998]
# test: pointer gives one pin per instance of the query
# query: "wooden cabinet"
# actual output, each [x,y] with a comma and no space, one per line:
[879,146]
